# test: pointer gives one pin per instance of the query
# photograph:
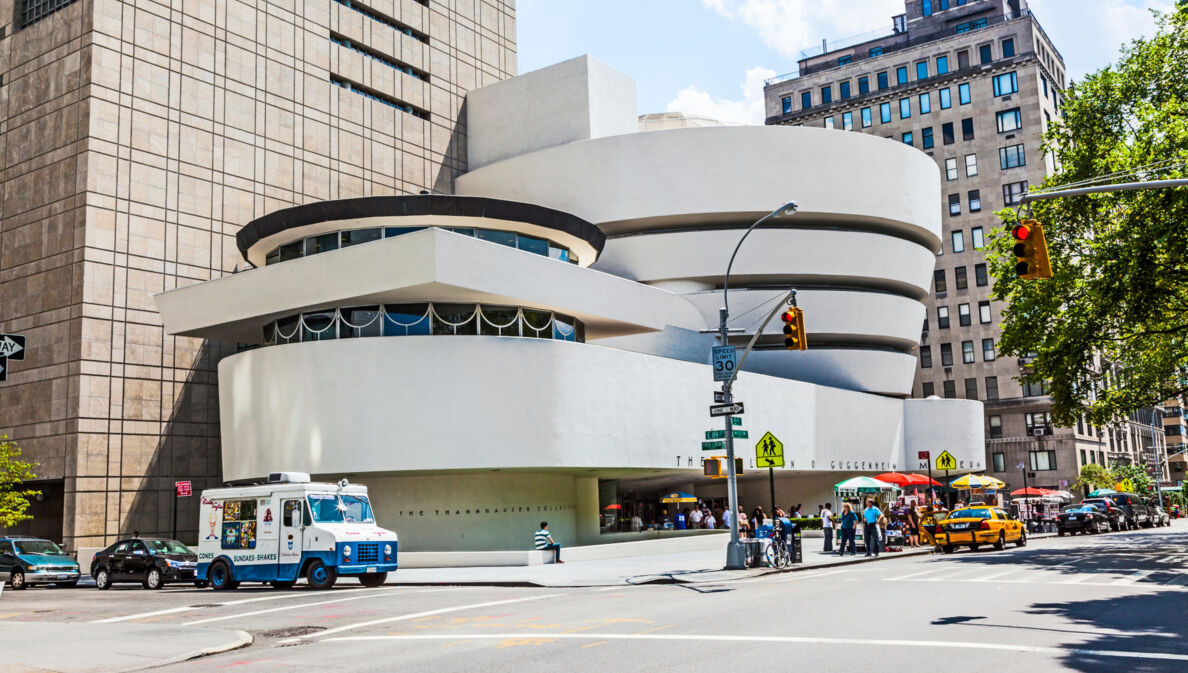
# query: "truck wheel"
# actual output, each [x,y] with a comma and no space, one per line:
[373,580]
[221,578]
[320,576]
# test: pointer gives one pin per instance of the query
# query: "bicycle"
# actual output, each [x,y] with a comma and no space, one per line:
[778,555]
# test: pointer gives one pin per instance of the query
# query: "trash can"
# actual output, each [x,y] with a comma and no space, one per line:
[754,552]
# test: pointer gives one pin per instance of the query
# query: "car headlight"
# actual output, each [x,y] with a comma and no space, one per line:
[34,569]
[387,550]
[173,564]
[346,551]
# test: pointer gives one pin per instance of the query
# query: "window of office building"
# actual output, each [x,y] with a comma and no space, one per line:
[925,104]
[971,165]
[1008,120]
[826,94]
[962,59]
[926,138]
[1011,157]
[950,390]
[806,100]
[905,108]
[967,129]
[980,277]
[984,54]
[863,85]
[955,207]
[958,236]
[946,355]
[925,328]
[922,70]
[988,350]
[907,138]
[848,121]
[875,51]
[1008,48]
[885,113]
[844,89]
[1044,84]
[786,104]
[866,117]
[927,389]
[984,312]
[971,389]
[951,169]
[901,75]
[1005,84]
[963,316]
[881,78]
[1035,389]
[967,352]
[845,60]
[1012,192]
[946,99]
[938,281]
[925,356]
[991,387]
[976,238]
[995,427]
[1042,460]
[963,93]
[975,203]
[960,279]
[829,122]
[947,133]
[942,65]
[999,460]
[942,319]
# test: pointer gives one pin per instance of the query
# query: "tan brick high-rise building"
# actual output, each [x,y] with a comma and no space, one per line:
[137,138]
[974,84]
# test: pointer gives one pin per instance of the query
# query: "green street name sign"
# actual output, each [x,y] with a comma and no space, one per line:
[740,434]
[736,420]
[715,434]
[713,446]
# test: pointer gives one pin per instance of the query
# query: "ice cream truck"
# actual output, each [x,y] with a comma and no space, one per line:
[290,528]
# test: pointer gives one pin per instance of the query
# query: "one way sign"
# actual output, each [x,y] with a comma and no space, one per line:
[12,346]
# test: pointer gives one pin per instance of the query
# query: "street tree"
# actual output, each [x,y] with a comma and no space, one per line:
[14,498]
[1109,332]
[1094,476]
[1137,475]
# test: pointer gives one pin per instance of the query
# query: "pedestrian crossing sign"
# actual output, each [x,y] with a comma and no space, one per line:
[769,452]
[946,461]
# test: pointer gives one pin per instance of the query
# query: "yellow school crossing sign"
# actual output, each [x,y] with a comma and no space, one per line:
[946,461]
[769,452]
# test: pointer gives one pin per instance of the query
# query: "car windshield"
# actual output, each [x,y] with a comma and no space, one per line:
[328,508]
[37,547]
[971,514]
[167,547]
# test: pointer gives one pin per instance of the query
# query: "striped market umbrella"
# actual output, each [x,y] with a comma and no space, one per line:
[973,481]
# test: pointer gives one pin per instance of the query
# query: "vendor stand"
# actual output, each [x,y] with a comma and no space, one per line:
[856,490]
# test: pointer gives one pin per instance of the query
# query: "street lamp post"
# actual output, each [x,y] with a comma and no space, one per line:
[735,554]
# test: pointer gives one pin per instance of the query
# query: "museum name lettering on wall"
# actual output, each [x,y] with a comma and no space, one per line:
[790,464]
[484,510]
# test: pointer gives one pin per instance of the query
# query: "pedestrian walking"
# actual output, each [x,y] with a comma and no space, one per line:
[544,541]
[695,517]
[744,526]
[827,526]
[849,524]
[870,532]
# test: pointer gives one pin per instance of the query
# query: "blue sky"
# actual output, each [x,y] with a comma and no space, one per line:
[710,57]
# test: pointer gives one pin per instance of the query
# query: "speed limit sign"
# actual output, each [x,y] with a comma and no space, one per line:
[724,361]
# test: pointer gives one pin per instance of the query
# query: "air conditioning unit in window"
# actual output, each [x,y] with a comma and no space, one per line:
[1039,432]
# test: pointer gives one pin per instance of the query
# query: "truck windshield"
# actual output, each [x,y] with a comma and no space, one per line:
[328,508]
[37,547]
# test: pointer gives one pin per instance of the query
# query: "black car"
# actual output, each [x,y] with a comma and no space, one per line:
[1134,509]
[1116,516]
[1084,518]
[152,562]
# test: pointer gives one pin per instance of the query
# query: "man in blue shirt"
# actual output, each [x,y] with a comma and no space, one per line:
[544,540]
[870,532]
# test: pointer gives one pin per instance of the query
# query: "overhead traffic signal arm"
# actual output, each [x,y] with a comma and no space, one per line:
[794,329]
[1031,250]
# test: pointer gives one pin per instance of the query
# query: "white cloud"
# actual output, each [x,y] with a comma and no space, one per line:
[746,110]
[788,26]
[1089,38]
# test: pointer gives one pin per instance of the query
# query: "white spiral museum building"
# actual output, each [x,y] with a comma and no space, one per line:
[532,347]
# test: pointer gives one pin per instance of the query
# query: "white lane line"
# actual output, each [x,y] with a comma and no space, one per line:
[806,576]
[170,611]
[914,575]
[298,606]
[113,620]
[1134,577]
[993,576]
[417,615]
[1078,578]
[941,644]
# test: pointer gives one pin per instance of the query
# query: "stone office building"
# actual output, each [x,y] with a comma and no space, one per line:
[973,84]
[137,138]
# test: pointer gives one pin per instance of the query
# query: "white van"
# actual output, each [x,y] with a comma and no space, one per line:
[290,528]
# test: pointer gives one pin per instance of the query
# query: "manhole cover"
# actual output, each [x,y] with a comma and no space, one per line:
[291,632]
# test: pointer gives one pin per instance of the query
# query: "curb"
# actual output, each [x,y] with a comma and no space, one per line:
[242,639]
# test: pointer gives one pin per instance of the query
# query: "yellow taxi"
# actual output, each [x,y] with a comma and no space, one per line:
[977,525]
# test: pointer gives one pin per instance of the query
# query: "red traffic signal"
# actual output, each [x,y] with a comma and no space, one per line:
[1031,250]
[794,339]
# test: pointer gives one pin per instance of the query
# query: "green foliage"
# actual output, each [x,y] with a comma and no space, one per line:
[1137,474]
[1119,291]
[13,472]
[1093,477]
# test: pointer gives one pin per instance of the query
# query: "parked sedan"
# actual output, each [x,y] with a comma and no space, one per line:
[1115,514]
[152,562]
[1083,518]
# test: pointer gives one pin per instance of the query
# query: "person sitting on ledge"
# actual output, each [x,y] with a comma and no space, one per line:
[544,540]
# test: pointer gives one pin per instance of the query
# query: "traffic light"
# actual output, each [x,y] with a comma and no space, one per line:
[794,329]
[1031,250]
[716,469]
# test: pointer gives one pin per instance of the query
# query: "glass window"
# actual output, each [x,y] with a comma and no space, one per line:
[863,85]
[976,238]
[984,54]
[848,121]
[806,100]
[507,238]
[829,122]
[1034,389]
[999,458]
[922,70]
[946,355]
[958,241]
[995,427]
[319,326]
[357,236]
[1005,84]
[991,387]
[963,316]
[927,7]
[942,318]
[955,209]
[1008,120]
[845,60]
[844,89]
[975,205]
[938,282]
[882,79]
[984,312]
[950,389]
[1012,192]
[905,108]
[947,133]
[866,117]
[532,244]
[876,51]
[967,352]
[1011,157]
[926,138]
[946,99]
[407,320]
[927,389]
[786,104]
[967,129]
[971,389]
[960,278]
[454,318]
[321,243]
[980,277]
[951,169]
[389,232]
[962,59]
[360,321]
[901,75]
[885,112]
[826,95]
[925,103]
[1042,460]
[907,138]
[1044,83]
[988,350]
[971,165]
[925,356]
[942,65]
[963,93]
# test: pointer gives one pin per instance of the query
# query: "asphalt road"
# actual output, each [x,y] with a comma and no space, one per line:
[1116,602]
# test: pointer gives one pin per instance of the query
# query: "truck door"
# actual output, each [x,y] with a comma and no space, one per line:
[292,524]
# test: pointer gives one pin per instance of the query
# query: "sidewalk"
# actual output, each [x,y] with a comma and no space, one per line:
[81,647]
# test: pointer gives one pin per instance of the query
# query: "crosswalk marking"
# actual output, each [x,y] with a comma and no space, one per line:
[1134,577]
